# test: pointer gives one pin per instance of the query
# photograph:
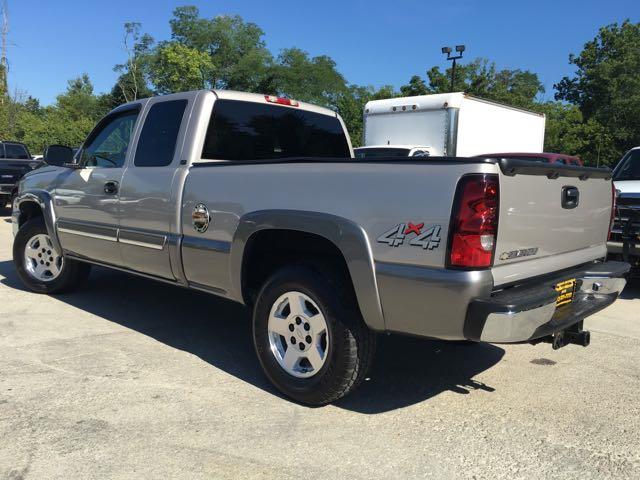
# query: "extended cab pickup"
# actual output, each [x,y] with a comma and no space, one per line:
[257,199]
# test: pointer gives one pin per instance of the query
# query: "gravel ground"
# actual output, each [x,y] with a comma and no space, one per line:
[128,378]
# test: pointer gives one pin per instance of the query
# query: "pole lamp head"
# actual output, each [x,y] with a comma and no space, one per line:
[446,50]
[460,48]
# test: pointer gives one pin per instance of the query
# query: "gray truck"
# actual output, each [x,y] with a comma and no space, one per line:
[257,199]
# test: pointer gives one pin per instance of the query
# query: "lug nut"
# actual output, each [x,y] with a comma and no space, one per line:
[301,345]
[291,327]
[308,339]
[293,340]
[307,327]
[298,321]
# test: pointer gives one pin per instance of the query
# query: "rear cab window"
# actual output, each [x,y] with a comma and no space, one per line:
[16,151]
[241,130]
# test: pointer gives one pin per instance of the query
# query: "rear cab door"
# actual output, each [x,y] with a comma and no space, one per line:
[151,187]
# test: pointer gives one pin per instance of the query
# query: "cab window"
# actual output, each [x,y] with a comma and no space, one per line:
[242,131]
[17,151]
[107,146]
[157,143]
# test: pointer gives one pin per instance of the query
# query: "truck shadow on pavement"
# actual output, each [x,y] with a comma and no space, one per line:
[631,290]
[406,370]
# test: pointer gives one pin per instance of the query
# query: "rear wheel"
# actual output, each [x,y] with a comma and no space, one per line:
[309,335]
[40,266]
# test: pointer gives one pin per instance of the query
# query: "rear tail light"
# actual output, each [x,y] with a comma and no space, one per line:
[281,101]
[474,222]
[613,209]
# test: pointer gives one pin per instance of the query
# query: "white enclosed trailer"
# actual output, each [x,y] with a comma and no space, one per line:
[452,124]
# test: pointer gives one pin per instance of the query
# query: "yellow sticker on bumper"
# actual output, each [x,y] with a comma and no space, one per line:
[565,291]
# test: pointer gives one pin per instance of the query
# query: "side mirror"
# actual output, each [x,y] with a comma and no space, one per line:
[58,155]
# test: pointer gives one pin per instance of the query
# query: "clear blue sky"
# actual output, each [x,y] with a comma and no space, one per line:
[373,42]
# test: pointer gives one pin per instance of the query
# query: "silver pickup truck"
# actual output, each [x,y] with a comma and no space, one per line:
[257,199]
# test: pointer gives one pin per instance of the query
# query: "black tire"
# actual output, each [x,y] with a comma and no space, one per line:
[352,343]
[73,273]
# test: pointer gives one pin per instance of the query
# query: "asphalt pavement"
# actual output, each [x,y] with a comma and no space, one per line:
[128,378]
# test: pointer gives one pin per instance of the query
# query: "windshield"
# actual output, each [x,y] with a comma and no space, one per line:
[629,167]
[381,152]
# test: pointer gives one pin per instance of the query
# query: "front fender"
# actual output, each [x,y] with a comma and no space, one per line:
[44,201]
[347,236]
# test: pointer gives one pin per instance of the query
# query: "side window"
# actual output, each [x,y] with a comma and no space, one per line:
[15,150]
[107,146]
[157,143]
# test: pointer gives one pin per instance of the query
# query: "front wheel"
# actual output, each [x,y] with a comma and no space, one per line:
[309,335]
[40,266]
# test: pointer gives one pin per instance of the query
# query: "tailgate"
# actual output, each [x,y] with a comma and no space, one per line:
[552,217]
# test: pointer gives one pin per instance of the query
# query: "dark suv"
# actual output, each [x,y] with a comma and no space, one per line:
[15,161]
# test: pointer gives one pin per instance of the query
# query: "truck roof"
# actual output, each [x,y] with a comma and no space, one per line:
[244,97]
[435,101]
[260,98]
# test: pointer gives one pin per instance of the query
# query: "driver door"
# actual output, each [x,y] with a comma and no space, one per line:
[87,199]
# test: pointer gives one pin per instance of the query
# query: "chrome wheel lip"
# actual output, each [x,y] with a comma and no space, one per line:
[294,315]
[42,261]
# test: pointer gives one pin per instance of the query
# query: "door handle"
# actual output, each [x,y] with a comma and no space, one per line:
[111,187]
[570,197]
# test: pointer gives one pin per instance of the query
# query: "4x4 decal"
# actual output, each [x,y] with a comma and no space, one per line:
[427,239]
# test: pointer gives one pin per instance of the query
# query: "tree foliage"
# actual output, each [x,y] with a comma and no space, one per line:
[175,67]
[481,78]
[235,47]
[315,80]
[606,85]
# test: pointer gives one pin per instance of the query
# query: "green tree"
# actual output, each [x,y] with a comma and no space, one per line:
[235,47]
[315,80]
[606,85]
[175,67]
[481,78]
[567,132]
[79,100]
[416,86]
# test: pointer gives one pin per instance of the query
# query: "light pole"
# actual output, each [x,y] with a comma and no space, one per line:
[459,50]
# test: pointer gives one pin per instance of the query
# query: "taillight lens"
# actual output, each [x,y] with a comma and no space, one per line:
[613,209]
[474,222]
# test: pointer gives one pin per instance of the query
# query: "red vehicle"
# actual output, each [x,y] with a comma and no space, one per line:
[539,157]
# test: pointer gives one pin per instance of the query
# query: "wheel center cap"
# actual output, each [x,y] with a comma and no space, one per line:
[300,333]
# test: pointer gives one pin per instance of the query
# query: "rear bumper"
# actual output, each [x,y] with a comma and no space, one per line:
[528,312]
